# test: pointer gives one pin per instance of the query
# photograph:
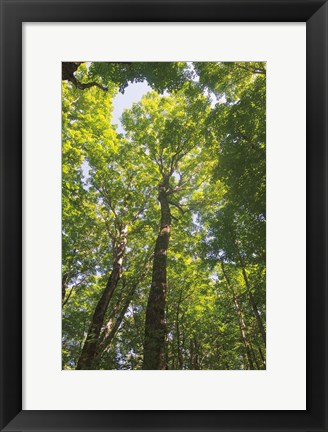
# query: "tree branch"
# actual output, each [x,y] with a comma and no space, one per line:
[254,71]
[68,70]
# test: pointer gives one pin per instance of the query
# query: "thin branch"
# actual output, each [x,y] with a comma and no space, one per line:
[179,206]
[254,71]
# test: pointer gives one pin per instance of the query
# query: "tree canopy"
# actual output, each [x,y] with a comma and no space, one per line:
[163,231]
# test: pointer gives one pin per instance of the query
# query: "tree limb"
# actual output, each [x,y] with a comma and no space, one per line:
[68,70]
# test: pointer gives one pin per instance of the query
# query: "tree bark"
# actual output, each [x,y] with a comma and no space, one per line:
[154,343]
[112,327]
[114,324]
[89,349]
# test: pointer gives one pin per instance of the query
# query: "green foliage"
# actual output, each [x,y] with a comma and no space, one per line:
[227,80]
[211,160]
[160,76]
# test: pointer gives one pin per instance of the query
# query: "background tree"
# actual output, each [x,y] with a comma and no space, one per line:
[170,131]
[236,228]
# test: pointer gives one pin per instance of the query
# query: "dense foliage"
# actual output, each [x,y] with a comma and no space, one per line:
[163,242]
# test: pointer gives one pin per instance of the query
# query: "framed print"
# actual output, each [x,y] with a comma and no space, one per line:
[149,280]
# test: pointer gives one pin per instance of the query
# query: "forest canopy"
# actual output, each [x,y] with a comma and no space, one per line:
[164,224]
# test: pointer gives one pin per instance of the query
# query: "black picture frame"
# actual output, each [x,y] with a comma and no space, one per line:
[13,14]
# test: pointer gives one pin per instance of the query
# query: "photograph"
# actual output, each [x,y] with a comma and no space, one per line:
[163,215]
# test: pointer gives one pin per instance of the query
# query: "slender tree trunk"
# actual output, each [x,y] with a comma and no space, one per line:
[241,321]
[154,343]
[118,314]
[64,286]
[252,300]
[90,345]
[254,356]
[194,354]
[114,324]
[112,328]
[262,357]
[249,292]
[242,327]
[180,358]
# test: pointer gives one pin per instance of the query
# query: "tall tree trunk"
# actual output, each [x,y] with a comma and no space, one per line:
[113,324]
[112,327]
[241,321]
[154,343]
[90,345]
